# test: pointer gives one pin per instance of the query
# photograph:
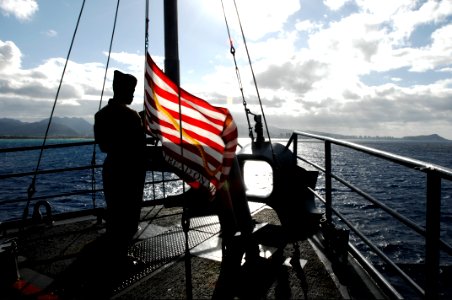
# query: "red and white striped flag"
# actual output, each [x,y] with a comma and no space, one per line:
[202,149]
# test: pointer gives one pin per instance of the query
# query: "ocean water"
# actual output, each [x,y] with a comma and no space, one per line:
[14,190]
[398,187]
[14,194]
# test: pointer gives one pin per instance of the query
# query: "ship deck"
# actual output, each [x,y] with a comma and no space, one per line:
[51,262]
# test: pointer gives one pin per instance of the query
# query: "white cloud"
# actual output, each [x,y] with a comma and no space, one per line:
[310,72]
[385,9]
[133,62]
[25,91]
[41,82]
[335,4]
[51,33]
[10,57]
[407,18]
[330,92]
[307,26]
[21,9]
[261,17]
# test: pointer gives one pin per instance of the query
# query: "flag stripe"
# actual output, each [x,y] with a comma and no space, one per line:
[171,102]
[164,83]
[210,144]
[202,146]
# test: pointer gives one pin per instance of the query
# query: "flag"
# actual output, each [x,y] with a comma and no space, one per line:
[199,140]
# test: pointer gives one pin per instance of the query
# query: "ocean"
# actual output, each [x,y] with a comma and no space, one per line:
[398,187]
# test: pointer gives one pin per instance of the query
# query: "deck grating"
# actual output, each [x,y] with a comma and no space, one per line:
[157,251]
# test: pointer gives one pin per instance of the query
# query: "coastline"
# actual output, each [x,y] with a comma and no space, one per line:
[49,138]
[349,138]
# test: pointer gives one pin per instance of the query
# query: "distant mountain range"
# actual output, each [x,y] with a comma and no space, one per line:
[423,138]
[65,127]
[276,132]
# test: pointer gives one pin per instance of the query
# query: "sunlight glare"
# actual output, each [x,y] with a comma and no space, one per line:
[258,177]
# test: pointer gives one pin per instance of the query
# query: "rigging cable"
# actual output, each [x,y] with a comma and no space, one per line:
[32,188]
[237,72]
[93,159]
[146,34]
[146,46]
[254,77]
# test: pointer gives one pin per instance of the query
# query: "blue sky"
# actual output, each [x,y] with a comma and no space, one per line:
[361,67]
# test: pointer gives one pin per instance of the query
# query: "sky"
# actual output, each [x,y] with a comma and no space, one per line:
[353,67]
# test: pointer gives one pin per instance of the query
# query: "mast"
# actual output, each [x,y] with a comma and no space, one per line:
[172,71]
[171,41]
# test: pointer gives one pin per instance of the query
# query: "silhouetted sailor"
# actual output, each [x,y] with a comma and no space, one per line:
[119,132]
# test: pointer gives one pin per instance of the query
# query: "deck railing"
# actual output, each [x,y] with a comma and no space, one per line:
[431,233]
[93,189]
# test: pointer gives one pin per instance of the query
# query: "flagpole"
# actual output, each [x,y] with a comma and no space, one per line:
[146,42]
[171,41]
[173,72]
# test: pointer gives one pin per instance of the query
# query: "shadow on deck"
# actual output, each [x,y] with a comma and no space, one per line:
[51,257]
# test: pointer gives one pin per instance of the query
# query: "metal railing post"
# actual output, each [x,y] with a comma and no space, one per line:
[328,200]
[432,223]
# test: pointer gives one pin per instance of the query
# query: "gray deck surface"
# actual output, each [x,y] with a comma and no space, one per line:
[47,256]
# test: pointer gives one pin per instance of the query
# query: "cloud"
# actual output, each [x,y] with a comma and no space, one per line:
[28,94]
[133,62]
[261,17]
[81,81]
[51,33]
[296,77]
[437,54]
[10,56]
[320,86]
[312,73]
[307,25]
[335,4]
[23,10]
[40,84]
